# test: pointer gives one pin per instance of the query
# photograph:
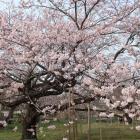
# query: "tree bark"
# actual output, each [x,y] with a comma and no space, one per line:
[29,123]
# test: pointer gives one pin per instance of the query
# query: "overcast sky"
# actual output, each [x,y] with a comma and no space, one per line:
[5,3]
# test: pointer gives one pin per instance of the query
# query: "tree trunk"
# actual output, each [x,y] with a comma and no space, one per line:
[29,123]
[10,115]
[129,120]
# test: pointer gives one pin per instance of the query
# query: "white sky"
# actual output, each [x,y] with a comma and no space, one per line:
[5,3]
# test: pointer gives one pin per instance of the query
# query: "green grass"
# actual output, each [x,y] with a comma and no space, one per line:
[9,135]
[104,131]
[99,131]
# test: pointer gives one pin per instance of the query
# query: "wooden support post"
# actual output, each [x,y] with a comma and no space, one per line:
[89,127]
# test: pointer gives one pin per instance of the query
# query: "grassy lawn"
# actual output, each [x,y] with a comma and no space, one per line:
[99,131]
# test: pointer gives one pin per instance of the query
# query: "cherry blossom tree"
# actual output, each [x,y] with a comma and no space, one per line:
[49,47]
